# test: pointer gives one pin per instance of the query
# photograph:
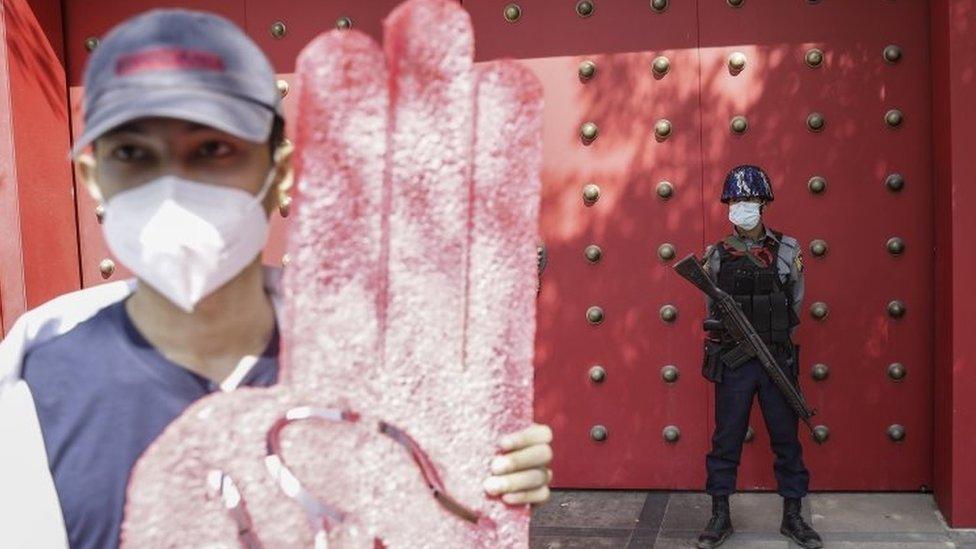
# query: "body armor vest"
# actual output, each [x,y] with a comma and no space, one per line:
[756,285]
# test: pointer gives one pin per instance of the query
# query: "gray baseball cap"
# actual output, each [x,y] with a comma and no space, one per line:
[182,64]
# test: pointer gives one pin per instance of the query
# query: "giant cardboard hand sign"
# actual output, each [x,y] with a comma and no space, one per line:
[410,314]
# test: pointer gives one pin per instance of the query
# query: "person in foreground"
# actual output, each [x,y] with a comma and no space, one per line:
[184,147]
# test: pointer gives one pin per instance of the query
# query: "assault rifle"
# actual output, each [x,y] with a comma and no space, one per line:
[741,330]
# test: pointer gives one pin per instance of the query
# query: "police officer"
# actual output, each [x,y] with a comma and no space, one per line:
[763,270]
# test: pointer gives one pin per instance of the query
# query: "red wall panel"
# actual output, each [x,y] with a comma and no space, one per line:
[39,248]
[953,58]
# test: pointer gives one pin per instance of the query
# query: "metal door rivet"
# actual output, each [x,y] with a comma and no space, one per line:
[892,54]
[587,69]
[671,433]
[666,251]
[278,29]
[819,248]
[739,124]
[661,65]
[817,184]
[896,308]
[598,433]
[594,315]
[282,87]
[659,5]
[896,433]
[894,118]
[669,313]
[665,190]
[669,373]
[895,246]
[598,374]
[593,253]
[107,267]
[816,122]
[589,132]
[585,8]
[736,3]
[513,13]
[895,182]
[821,433]
[91,43]
[750,434]
[591,193]
[343,23]
[820,372]
[662,129]
[819,310]
[737,62]
[100,213]
[814,58]
[897,371]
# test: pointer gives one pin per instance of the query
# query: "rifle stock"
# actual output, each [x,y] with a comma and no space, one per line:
[691,270]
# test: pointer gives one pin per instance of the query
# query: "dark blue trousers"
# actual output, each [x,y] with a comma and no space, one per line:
[733,401]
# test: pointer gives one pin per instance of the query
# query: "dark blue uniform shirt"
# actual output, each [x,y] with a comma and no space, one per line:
[103,394]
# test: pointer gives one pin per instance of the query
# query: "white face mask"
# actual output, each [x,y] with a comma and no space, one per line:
[186,239]
[745,215]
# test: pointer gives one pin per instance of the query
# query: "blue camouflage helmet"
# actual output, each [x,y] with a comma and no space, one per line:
[747,181]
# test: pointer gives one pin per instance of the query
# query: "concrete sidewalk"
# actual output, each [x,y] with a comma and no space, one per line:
[629,519]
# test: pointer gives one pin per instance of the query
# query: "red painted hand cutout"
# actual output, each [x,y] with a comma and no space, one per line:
[410,314]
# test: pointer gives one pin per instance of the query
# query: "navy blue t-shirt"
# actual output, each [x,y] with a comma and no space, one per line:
[103,394]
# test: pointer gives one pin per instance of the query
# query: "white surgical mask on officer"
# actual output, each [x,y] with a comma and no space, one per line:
[184,238]
[745,215]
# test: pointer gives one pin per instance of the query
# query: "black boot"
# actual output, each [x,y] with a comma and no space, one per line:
[797,529]
[719,527]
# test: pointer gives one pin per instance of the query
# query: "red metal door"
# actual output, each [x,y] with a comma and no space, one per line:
[655,197]
[877,239]
[602,385]
[856,216]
